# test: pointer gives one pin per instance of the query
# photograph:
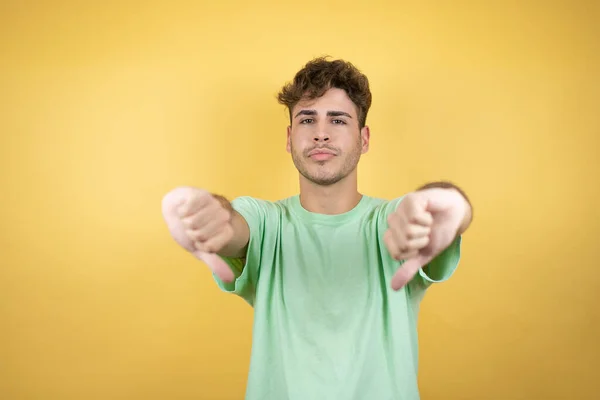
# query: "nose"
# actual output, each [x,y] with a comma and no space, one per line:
[321,135]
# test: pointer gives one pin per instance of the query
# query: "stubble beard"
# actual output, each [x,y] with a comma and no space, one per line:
[324,176]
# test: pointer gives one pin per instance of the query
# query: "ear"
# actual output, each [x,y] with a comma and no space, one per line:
[365,136]
[288,146]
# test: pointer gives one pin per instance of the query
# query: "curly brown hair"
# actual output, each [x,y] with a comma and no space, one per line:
[320,75]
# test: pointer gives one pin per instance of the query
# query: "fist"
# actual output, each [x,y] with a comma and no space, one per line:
[424,224]
[408,228]
[199,223]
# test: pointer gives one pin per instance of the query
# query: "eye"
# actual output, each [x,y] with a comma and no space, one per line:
[339,122]
[306,121]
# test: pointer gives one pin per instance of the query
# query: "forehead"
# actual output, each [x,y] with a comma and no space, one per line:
[333,100]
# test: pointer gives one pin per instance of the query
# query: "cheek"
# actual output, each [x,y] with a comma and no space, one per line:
[294,144]
[298,138]
[351,142]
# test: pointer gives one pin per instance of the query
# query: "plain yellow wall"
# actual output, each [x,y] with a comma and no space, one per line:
[104,108]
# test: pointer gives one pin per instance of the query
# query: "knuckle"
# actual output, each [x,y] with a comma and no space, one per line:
[386,235]
[217,241]
[191,222]
[197,236]
[391,218]
[202,237]
[397,220]
[410,196]
[388,239]
[198,192]
[211,247]
[410,199]
[186,223]
[200,195]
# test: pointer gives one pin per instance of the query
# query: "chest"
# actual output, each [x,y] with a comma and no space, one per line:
[327,252]
[326,270]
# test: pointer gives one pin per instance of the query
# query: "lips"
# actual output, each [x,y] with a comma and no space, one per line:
[321,152]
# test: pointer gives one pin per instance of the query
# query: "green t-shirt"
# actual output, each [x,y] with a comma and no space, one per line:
[327,325]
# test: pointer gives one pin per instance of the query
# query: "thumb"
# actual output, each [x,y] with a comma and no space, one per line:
[216,265]
[408,270]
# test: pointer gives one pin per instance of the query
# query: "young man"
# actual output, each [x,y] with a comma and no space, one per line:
[335,276]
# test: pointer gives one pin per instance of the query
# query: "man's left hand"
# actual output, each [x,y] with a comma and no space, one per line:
[425,223]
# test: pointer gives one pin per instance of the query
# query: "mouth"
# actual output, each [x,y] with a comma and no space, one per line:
[321,154]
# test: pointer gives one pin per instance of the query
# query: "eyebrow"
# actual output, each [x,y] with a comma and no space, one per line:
[329,113]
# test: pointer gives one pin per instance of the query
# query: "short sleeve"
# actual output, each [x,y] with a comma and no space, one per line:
[440,269]
[247,270]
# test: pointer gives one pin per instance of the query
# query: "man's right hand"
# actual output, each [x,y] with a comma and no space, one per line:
[201,224]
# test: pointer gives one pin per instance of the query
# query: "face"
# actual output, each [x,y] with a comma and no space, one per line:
[325,139]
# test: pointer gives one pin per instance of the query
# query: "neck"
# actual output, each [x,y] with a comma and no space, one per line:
[338,198]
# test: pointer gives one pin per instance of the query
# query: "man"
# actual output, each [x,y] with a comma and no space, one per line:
[335,276]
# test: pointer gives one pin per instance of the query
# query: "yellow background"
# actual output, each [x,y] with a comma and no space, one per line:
[104,108]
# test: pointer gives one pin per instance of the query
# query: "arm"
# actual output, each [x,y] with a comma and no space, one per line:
[206,226]
[227,236]
[237,246]
[244,253]
[424,232]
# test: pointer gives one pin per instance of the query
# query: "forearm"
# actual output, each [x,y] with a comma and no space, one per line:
[238,245]
[449,185]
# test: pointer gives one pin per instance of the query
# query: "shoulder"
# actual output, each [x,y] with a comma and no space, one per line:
[254,207]
[379,210]
[380,206]
[258,202]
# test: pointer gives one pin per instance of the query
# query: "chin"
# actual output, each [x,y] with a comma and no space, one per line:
[324,179]
[322,173]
